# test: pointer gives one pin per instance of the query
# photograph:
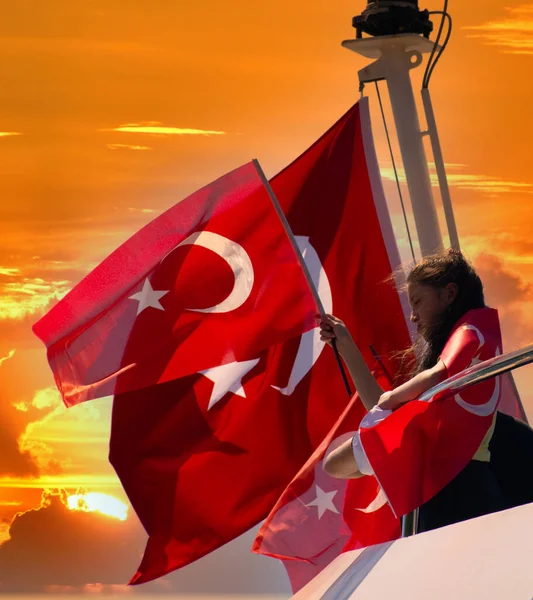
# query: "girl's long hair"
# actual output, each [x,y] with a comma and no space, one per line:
[438,271]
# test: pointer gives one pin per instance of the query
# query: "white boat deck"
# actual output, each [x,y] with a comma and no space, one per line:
[488,558]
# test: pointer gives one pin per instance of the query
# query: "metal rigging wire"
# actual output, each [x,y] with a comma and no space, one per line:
[433,60]
[396,174]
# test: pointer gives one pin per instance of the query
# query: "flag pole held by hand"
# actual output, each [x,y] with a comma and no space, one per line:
[307,274]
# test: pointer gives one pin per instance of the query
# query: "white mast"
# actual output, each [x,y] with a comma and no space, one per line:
[396,55]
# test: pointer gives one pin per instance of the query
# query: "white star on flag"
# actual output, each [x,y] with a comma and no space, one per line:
[148,297]
[323,501]
[228,378]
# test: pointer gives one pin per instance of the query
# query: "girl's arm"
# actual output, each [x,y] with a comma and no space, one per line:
[341,462]
[414,387]
[367,387]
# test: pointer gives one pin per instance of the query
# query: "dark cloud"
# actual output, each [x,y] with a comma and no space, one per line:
[17,389]
[13,461]
[52,545]
[54,549]
[510,294]
[502,287]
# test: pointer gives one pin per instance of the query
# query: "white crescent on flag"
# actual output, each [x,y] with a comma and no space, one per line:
[486,409]
[310,346]
[239,262]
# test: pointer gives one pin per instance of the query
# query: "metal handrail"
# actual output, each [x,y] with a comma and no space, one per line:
[484,370]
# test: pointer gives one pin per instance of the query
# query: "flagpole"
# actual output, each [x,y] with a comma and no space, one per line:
[306,272]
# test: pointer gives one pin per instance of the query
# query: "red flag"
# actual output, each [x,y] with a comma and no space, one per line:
[213,280]
[204,462]
[419,448]
[317,515]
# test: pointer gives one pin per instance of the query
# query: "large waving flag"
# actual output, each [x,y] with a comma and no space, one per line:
[214,280]
[318,516]
[204,458]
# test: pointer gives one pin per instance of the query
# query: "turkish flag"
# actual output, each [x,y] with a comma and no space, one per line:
[205,458]
[419,448]
[213,280]
[318,516]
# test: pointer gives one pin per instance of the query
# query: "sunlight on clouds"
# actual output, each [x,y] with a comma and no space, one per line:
[467,181]
[106,590]
[9,271]
[29,296]
[63,481]
[144,211]
[49,402]
[57,439]
[484,183]
[9,133]
[64,265]
[102,503]
[9,355]
[512,33]
[508,245]
[46,398]
[155,127]
[4,532]
[127,147]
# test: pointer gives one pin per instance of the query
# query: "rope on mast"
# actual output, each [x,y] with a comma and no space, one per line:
[396,174]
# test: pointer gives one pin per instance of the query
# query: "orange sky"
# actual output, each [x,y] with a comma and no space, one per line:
[113,110]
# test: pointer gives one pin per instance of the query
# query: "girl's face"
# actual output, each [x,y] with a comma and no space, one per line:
[428,303]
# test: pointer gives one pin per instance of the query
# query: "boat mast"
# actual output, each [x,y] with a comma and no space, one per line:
[400,33]
[399,38]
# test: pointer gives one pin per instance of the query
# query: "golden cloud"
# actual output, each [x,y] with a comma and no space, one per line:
[156,128]
[467,181]
[56,439]
[144,211]
[9,355]
[508,244]
[48,403]
[29,296]
[9,133]
[4,532]
[127,147]
[47,398]
[512,33]
[64,481]
[9,271]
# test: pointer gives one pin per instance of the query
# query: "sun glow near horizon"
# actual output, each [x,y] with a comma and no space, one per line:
[97,502]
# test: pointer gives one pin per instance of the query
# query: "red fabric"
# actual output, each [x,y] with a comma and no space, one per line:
[423,445]
[306,536]
[99,343]
[510,403]
[199,477]
[350,241]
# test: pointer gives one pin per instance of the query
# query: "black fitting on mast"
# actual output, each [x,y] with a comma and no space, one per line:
[391,17]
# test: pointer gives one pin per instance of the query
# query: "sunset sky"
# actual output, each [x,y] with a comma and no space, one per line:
[113,110]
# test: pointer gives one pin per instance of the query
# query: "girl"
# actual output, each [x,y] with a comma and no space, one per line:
[443,291]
